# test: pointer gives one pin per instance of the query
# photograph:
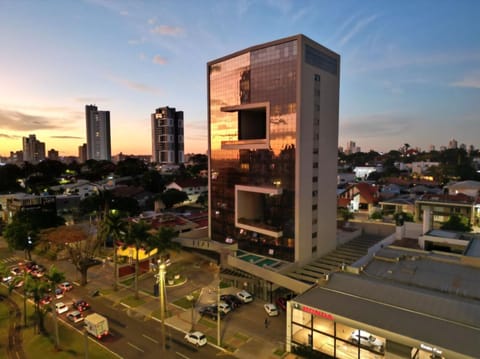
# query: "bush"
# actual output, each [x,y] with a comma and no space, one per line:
[377,215]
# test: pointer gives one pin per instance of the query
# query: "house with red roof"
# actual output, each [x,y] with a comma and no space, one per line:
[359,197]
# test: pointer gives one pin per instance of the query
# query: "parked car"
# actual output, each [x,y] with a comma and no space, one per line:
[271,309]
[75,316]
[244,296]
[232,300]
[211,311]
[224,307]
[81,305]
[366,339]
[61,307]
[65,286]
[197,338]
[281,303]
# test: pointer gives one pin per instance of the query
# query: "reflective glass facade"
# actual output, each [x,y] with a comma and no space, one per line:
[273,137]
[267,75]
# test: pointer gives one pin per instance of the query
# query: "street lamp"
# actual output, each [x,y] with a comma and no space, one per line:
[161,281]
[218,309]
[191,299]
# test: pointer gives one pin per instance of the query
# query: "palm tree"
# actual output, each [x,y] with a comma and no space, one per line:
[137,236]
[114,226]
[162,241]
[37,289]
[55,277]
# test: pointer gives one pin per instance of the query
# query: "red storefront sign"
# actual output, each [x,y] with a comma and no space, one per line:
[317,312]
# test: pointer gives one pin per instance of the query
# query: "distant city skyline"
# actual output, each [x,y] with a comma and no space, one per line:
[409,70]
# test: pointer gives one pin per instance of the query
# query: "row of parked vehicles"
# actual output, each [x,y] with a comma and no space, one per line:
[228,302]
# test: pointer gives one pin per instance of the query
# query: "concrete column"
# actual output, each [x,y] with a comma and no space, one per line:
[427,220]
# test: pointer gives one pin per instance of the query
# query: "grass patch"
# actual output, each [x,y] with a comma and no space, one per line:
[156,314]
[229,348]
[279,352]
[207,322]
[185,303]
[128,282]
[131,301]
[224,285]
[241,336]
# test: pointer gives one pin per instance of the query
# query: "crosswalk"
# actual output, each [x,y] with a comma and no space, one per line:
[10,260]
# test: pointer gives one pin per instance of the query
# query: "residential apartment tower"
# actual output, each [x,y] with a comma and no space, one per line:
[98,134]
[167,136]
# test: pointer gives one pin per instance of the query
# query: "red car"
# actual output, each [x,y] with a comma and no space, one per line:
[281,303]
[81,305]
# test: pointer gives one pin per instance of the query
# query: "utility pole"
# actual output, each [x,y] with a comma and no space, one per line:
[161,279]
[219,342]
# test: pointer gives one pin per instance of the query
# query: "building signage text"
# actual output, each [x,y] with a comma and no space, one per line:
[317,312]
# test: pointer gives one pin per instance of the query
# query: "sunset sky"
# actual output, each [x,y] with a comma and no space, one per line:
[410,70]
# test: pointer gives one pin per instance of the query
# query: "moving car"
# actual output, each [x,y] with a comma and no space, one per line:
[80,305]
[65,286]
[271,309]
[58,293]
[244,296]
[197,338]
[46,299]
[75,316]
[366,339]
[61,307]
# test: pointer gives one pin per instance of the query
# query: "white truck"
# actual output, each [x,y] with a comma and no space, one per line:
[96,325]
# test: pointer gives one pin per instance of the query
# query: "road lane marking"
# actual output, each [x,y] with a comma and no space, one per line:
[150,338]
[135,347]
[182,355]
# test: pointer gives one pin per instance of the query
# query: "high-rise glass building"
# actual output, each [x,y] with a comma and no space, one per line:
[273,139]
[98,134]
[167,136]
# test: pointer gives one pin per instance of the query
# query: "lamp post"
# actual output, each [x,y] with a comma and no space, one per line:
[191,299]
[218,309]
[161,281]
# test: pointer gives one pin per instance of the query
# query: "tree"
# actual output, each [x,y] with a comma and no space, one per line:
[37,289]
[130,167]
[457,223]
[162,241]
[9,174]
[172,196]
[82,244]
[345,214]
[54,277]
[137,237]
[114,226]
[153,181]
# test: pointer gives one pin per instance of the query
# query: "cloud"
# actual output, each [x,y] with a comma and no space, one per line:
[356,28]
[67,137]
[11,137]
[19,121]
[470,81]
[152,21]
[159,60]
[89,100]
[137,86]
[167,30]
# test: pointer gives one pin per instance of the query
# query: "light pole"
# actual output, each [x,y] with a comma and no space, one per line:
[161,281]
[191,298]
[218,309]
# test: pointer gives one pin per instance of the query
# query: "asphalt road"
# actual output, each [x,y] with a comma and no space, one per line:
[138,337]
